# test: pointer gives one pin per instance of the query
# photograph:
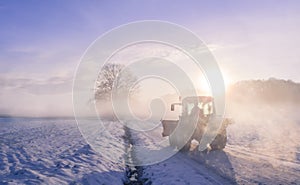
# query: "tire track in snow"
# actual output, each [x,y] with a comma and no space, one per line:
[133,173]
[178,169]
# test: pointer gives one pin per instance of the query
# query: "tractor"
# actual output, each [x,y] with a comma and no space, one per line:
[196,115]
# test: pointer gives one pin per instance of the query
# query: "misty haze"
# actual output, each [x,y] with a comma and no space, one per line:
[149,93]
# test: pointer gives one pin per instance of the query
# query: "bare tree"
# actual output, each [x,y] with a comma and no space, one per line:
[109,78]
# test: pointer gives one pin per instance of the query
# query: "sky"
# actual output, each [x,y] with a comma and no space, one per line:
[41,42]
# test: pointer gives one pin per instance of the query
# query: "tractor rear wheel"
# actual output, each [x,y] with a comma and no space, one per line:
[219,142]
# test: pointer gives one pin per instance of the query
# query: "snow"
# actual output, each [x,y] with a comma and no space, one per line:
[53,151]
[256,153]
[180,168]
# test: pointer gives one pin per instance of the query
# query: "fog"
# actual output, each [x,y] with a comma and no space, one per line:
[36,96]
[270,129]
[27,105]
[267,128]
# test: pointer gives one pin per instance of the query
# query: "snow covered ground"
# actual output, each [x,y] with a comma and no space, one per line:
[52,151]
[181,168]
[261,149]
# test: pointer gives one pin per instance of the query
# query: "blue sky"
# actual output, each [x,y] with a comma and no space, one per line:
[44,40]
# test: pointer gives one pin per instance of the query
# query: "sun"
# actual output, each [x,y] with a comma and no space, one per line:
[204,86]
[227,79]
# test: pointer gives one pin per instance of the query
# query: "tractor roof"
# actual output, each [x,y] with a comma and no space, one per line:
[198,98]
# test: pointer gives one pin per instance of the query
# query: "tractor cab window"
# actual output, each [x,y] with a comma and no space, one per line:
[190,107]
[207,108]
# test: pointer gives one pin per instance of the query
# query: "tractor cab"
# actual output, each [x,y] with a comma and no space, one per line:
[205,104]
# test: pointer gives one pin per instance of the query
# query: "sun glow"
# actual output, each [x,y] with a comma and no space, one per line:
[227,79]
[204,87]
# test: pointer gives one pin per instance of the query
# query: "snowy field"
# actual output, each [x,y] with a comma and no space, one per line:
[52,151]
[243,161]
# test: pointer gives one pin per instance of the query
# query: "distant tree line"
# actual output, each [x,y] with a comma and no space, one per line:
[268,91]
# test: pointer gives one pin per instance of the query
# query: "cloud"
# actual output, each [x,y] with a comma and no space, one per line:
[52,85]
[33,96]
